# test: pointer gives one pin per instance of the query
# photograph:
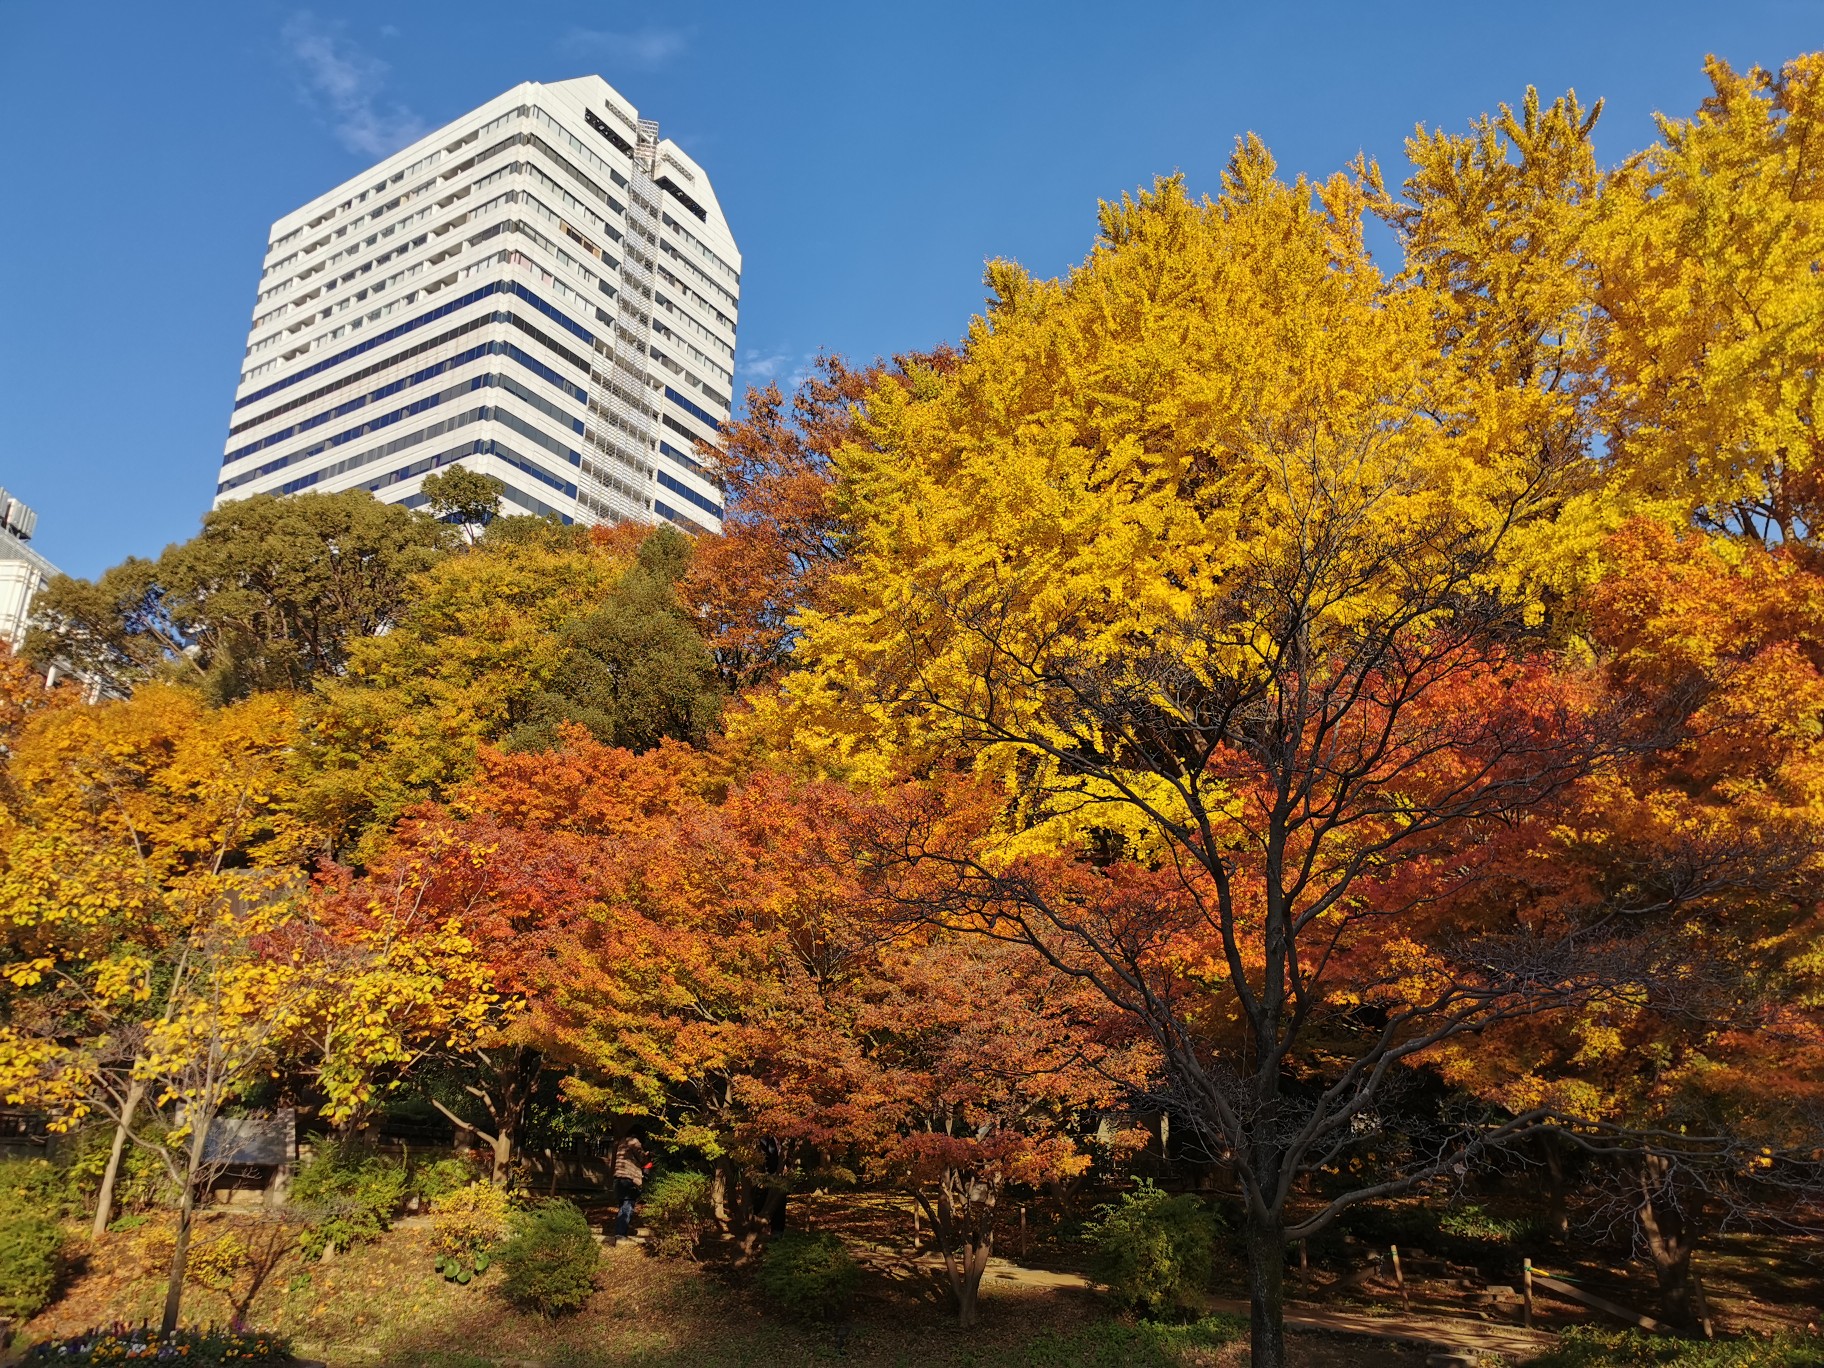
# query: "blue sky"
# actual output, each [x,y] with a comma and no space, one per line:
[869,158]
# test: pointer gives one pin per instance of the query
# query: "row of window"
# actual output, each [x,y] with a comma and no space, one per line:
[677,486]
[506,316]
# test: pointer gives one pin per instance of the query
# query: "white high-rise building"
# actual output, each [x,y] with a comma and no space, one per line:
[23,572]
[544,291]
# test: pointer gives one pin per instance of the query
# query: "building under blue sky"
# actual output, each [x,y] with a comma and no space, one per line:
[869,158]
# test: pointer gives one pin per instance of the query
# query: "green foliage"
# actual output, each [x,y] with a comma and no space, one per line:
[120,1343]
[1133,1344]
[34,1186]
[1594,1347]
[677,1208]
[350,1196]
[30,1244]
[549,1262]
[808,1277]
[143,1183]
[466,1226]
[1151,1248]
[32,1198]
[1473,1222]
[269,595]
[635,670]
[462,496]
[433,1181]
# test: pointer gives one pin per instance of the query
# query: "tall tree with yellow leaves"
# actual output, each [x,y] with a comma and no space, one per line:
[1222,567]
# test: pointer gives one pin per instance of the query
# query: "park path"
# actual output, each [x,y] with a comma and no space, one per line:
[1448,1333]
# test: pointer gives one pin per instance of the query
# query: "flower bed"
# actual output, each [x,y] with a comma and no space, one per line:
[139,1344]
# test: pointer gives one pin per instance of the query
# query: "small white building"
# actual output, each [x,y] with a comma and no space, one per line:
[23,572]
[543,290]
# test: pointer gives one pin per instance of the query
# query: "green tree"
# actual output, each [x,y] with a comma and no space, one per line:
[461,496]
[271,594]
[635,670]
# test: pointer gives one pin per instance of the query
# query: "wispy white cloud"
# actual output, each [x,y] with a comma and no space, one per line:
[791,369]
[646,47]
[345,84]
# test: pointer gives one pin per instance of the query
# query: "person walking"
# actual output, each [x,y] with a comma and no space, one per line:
[630,1168]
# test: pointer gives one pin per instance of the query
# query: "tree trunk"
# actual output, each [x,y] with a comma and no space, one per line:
[1671,1237]
[975,1264]
[1267,1291]
[1557,1212]
[110,1176]
[502,1145]
[180,1251]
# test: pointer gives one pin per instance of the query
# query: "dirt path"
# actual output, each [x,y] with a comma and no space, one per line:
[1447,1333]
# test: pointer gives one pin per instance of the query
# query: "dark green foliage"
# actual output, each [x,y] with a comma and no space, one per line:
[349,1195]
[436,1178]
[1152,1248]
[548,1264]
[119,1343]
[635,671]
[676,1208]
[267,596]
[808,1277]
[143,1184]
[31,1197]
[1595,1347]
[462,496]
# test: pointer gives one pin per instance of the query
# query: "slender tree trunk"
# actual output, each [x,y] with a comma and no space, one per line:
[502,1145]
[974,1264]
[1267,1290]
[110,1176]
[180,1251]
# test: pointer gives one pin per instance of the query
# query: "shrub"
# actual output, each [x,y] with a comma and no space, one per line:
[549,1263]
[677,1209]
[465,1227]
[434,1181]
[1151,1247]
[1473,1222]
[32,1195]
[216,1263]
[808,1277]
[30,1244]
[350,1195]
[1594,1347]
[123,1343]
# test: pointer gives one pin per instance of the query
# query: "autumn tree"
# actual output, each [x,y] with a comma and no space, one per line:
[1715,309]
[273,593]
[120,818]
[784,532]
[1211,556]
[464,497]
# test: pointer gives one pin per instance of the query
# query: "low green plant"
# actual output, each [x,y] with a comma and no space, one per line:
[808,1277]
[1151,1248]
[466,1226]
[676,1208]
[548,1264]
[348,1195]
[434,1180]
[34,1185]
[1473,1222]
[1594,1347]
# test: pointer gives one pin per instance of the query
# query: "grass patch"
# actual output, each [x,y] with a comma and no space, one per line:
[1590,1347]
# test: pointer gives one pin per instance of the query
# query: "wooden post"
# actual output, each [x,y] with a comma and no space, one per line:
[1024,1247]
[1304,1262]
[917,1235]
[1526,1293]
[1399,1279]
[1703,1302]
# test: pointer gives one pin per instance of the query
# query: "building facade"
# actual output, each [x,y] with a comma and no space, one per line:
[544,291]
[23,572]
